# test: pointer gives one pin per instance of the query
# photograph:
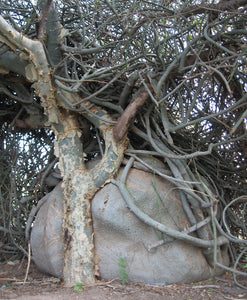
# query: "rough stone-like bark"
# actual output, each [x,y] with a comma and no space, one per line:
[151,256]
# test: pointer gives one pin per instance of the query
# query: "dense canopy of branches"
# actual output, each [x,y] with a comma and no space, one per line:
[171,74]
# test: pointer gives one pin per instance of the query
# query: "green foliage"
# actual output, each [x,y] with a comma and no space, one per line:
[124,275]
[79,287]
[245,266]
[9,286]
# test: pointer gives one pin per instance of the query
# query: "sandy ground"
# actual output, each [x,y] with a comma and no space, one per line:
[40,286]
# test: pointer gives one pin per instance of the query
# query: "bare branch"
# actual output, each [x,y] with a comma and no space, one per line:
[44,18]
[121,129]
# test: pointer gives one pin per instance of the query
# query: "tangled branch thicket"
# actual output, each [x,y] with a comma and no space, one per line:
[170,73]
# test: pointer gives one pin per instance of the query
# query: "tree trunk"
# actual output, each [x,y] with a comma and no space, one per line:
[80,185]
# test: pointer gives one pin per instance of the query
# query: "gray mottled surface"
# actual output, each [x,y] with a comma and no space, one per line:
[119,234]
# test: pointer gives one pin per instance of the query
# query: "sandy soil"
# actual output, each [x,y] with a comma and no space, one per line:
[40,286]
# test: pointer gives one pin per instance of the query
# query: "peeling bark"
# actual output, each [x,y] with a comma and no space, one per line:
[80,185]
[127,117]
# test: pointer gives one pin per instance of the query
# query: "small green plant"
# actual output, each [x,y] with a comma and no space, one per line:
[9,286]
[245,266]
[78,287]
[123,272]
